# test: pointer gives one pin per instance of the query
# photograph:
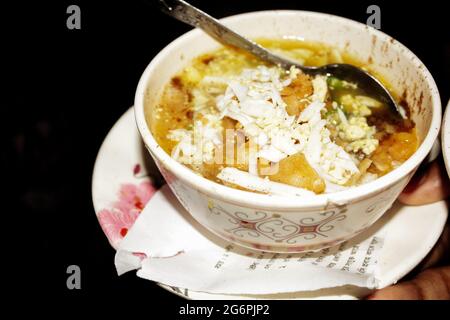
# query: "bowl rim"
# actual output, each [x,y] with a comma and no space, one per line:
[446,138]
[255,200]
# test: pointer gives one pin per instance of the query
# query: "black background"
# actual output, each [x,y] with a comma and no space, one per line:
[66,88]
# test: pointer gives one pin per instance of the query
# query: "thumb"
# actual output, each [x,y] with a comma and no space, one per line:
[427,186]
[431,284]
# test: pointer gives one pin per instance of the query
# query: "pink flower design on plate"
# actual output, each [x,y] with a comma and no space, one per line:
[117,220]
[133,198]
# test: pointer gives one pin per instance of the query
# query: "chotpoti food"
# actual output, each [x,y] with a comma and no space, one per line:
[243,123]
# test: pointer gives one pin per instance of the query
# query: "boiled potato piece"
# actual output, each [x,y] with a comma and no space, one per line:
[295,94]
[296,171]
[393,151]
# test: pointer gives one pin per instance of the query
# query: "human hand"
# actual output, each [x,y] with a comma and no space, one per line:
[429,185]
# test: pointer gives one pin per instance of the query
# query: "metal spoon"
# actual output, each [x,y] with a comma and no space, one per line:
[183,11]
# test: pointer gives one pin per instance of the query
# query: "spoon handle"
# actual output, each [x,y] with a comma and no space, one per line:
[183,11]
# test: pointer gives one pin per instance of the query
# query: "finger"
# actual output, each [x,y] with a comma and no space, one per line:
[427,186]
[440,251]
[431,284]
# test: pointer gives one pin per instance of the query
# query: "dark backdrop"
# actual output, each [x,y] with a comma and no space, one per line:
[66,88]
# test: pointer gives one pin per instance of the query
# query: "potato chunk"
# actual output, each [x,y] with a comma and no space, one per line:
[295,94]
[296,171]
[393,151]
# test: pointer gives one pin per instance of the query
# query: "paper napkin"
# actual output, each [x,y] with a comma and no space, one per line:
[180,252]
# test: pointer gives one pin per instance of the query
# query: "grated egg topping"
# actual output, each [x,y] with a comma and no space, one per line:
[253,99]
[197,145]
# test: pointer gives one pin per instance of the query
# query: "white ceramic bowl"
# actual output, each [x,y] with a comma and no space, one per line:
[446,138]
[281,224]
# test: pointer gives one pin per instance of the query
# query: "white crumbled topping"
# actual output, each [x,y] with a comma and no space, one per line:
[253,99]
[358,133]
[320,88]
[197,145]
[368,101]
[351,103]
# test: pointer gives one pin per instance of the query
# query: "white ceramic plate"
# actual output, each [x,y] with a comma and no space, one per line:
[446,138]
[123,179]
